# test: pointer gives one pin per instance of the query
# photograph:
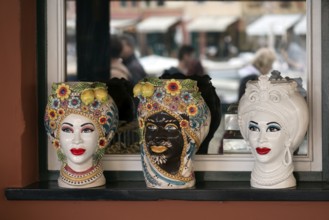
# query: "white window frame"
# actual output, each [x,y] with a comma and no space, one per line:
[56,62]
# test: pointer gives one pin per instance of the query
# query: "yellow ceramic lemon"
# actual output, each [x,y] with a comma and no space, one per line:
[137,89]
[87,96]
[101,94]
[147,89]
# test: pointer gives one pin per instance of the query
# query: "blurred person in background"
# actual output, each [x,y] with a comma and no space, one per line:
[260,65]
[186,54]
[196,68]
[130,60]
[117,69]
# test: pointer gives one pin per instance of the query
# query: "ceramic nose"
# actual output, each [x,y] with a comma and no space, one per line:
[262,137]
[77,138]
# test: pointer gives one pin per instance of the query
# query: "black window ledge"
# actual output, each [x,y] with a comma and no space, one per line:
[204,191]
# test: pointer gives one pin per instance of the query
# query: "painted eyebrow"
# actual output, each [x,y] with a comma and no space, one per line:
[169,120]
[151,120]
[88,123]
[273,123]
[68,124]
[254,122]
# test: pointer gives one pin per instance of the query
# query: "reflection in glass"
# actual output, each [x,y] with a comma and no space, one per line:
[225,40]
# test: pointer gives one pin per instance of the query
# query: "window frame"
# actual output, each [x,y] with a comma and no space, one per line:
[312,164]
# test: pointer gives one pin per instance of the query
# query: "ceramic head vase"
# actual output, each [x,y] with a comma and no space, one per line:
[80,120]
[173,120]
[273,119]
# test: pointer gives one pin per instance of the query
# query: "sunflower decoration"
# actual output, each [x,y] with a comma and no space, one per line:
[192,110]
[63,91]
[173,87]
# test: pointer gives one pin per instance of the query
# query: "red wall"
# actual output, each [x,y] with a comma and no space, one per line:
[18,158]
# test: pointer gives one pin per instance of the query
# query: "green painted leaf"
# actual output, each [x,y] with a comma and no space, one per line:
[188,84]
[155,81]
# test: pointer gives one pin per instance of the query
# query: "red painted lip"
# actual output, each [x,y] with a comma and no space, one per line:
[263,150]
[78,151]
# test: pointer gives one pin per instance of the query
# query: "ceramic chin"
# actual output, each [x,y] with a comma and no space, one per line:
[173,120]
[273,119]
[80,120]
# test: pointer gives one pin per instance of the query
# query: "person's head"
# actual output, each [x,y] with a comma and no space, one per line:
[80,120]
[195,68]
[186,55]
[115,47]
[173,121]
[128,43]
[273,119]
[264,59]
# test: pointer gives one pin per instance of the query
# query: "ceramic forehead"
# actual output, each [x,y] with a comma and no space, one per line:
[88,99]
[279,98]
[180,99]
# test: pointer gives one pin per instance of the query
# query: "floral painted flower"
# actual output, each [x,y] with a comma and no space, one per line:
[173,87]
[194,124]
[155,106]
[63,91]
[158,95]
[55,103]
[167,100]
[149,106]
[192,110]
[56,143]
[183,123]
[176,99]
[95,105]
[142,99]
[74,102]
[141,123]
[52,114]
[102,120]
[102,142]
[186,97]
[140,106]
[173,106]
[60,112]
[52,125]
[84,108]
[182,107]
[97,113]
[64,103]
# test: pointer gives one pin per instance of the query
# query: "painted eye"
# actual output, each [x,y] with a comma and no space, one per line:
[273,128]
[171,127]
[152,127]
[87,130]
[67,130]
[253,128]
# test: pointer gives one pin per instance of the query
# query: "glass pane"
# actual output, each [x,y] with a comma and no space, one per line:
[71,43]
[226,41]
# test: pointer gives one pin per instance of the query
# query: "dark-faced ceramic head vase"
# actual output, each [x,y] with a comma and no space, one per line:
[273,118]
[173,120]
[80,120]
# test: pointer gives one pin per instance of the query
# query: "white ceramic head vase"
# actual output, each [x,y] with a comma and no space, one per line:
[80,120]
[174,120]
[273,119]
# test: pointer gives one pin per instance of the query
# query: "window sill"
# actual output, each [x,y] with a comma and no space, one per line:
[204,191]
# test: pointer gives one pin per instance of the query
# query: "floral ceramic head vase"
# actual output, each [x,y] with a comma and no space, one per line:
[87,100]
[173,120]
[273,119]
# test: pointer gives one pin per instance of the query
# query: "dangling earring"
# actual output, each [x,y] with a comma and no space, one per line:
[287,156]
[61,156]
